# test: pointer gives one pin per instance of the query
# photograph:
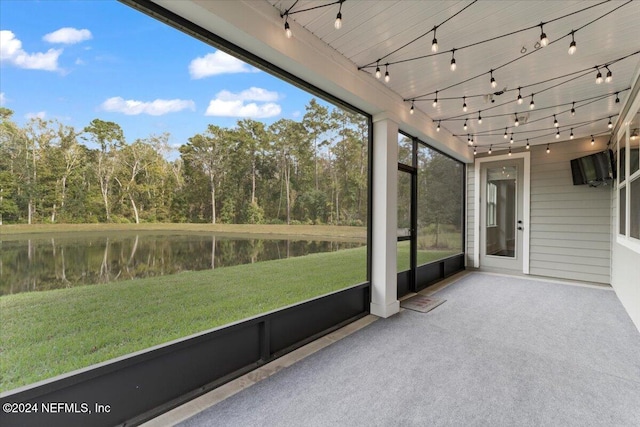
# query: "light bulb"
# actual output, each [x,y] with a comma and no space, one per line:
[598,77]
[490,149]
[532,105]
[465,124]
[453,64]
[617,98]
[517,122]
[470,140]
[593,141]
[479,118]
[493,81]
[548,150]
[438,127]
[411,110]
[386,77]
[338,23]
[571,134]
[434,45]
[609,77]
[610,125]
[527,147]
[558,134]
[544,40]
[509,150]
[287,30]
[511,140]
[475,151]
[555,121]
[378,73]
[572,47]
[464,104]
[435,102]
[505,133]
[519,98]
[573,109]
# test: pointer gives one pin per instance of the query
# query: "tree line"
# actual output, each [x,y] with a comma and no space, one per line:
[311,171]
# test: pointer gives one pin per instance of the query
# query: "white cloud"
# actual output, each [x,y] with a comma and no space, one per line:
[154,108]
[79,61]
[229,104]
[11,51]
[3,99]
[68,35]
[296,114]
[218,63]
[220,108]
[251,94]
[39,115]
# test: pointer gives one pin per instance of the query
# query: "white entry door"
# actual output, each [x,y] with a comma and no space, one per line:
[502,215]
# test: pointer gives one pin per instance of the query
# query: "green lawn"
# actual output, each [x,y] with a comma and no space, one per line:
[254,230]
[43,334]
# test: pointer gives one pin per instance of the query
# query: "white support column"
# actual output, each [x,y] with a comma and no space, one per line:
[384,279]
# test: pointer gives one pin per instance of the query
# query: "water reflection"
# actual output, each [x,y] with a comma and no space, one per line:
[61,262]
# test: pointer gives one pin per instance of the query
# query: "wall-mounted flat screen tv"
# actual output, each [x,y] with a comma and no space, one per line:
[595,169]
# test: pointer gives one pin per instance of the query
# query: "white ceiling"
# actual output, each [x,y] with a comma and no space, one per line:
[374,28]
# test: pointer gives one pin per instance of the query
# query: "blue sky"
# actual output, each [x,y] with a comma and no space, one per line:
[74,61]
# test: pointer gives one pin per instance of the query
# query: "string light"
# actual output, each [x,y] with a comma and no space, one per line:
[593,141]
[378,73]
[505,133]
[453,60]
[438,127]
[598,76]
[490,149]
[573,108]
[287,29]
[527,147]
[434,43]
[610,125]
[609,76]
[511,140]
[532,105]
[474,150]
[558,134]
[435,100]
[411,110]
[617,98]
[464,104]
[509,150]
[386,74]
[465,124]
[517,122]
[548,150]
[572,45]
[555,121]
[494,84]
[479,117]
[571,134]
[338,23]
[519,97]
[469,140]
[544,40]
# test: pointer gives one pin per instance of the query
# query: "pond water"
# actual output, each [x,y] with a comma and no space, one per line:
[62,261]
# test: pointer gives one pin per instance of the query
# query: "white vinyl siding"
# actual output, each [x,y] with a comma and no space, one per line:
[570,224]
[471,188]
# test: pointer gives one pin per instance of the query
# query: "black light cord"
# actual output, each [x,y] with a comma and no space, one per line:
[522,56]
[369,65]
[433,30]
